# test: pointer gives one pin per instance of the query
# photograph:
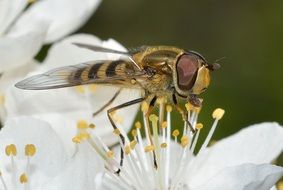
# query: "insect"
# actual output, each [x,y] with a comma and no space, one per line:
[159,71]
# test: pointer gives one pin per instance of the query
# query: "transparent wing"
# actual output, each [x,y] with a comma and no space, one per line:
[84,73]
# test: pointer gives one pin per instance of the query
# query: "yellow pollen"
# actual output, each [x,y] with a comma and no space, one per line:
[23,178]
[30,150]
[133,81]
[169,108]
[92,126]
[134,133]
[133,144]
[199,126]
[77,139]
[82,124]
[80,89]
[164,124]
[138,125]
[184,141]
[189,106]
[144,107]
[149,148]
[127,149]
[2,99]
[197,109]
[175,133]
[92,88]
[11,150]
[163,145]
[116,131]
[110,154]
[153,118]
[218,113]
[160,100]
[84,135]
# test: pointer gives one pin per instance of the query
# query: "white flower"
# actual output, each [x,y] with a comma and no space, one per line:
[239,162]
[74,103]
[33,157]
[25,27]
[22,31]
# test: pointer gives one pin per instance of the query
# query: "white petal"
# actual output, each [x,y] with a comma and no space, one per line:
[80,172]
[49,158]
[65,16]
[244,177]
[9,10]
[256,144]
[9,78]
[65,53]
[17,49]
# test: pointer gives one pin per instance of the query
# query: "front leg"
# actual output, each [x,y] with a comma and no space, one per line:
[126,104]
[184,113]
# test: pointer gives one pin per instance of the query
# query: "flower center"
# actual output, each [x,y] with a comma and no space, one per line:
[157,161]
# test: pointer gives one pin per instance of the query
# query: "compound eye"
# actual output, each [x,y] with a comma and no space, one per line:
[187,68]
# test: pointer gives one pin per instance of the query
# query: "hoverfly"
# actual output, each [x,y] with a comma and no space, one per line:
[159,71]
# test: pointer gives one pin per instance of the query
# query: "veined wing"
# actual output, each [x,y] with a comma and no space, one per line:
[119,72]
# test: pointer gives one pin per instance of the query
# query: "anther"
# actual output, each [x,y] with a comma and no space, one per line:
[30,150]
[189,106]
[175,133]
[163,145]
[218,113]
[144,107]
[169,108]
[11,150]
[127,149]
[133,144]
[164,125]
[23,178]
[77,139]
[92,126]
[138,125]
[84,135]
[153,118]
[82,124]
[134,132]
[160,100]
[116,132]
[149,148]
[184,141]
[199,126]
[110,154]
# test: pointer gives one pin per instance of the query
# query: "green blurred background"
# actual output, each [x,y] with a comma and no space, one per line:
[248,33]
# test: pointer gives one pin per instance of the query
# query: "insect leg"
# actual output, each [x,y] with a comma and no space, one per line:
[107,104]
[183,113]
[126,104]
